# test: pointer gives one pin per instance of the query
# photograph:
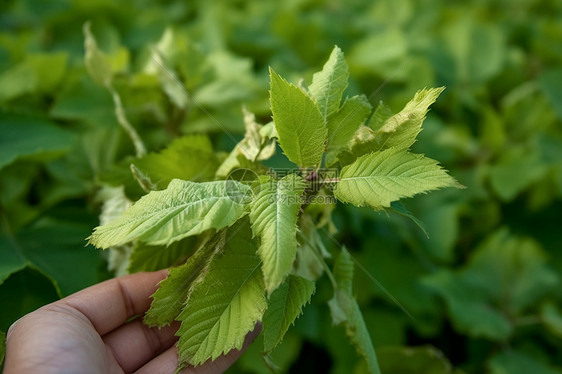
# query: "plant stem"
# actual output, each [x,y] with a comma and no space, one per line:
[124,122]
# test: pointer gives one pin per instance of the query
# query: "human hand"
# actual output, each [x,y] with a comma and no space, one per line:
[88,332]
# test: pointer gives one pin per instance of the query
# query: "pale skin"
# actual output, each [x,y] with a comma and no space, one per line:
[88,332]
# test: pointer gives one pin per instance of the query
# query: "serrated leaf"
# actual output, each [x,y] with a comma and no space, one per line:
[401,130]
[183,209]
[300,125]
[284,306]
[97,63]
[226,304]
[328,84]
[344,309]
[173,291]
[273,214]
[343,124]
[379,178]
[189,158]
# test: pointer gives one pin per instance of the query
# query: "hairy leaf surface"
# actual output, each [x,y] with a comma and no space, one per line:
[226,304]
[273,215]
[300,125]
[173,291]
[328,84]
[401,130]
[284,306]
[183,209]
[379,178]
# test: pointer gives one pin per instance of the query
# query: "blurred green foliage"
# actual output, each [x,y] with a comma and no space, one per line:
[483,292]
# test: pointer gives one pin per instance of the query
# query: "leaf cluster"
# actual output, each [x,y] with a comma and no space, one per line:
[244,268]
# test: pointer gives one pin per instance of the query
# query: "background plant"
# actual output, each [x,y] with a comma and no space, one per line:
[496,127]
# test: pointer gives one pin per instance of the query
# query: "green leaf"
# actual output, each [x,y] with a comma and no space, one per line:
[183,209]
[173,291]
[470,312]
[468,38]
[380,116]
[11,258]
[413,360]
[300,125]
[115,202]
[255,146]
[189,158]
[169,81]
[401,130]
[25,291]
[514,362]
[273,215]
[379,178]
[328,84]
[151,258]
[362,142]
[55,248]
[17,81]
[310,251]
[38,73]
[504,276]
[343,124]
[31,137]
[552,318]
[226,304]
[269,131]
[550,83]
[343,271]
[344,309]
[284,306]
[505,175]
[84,100]
[96,61]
